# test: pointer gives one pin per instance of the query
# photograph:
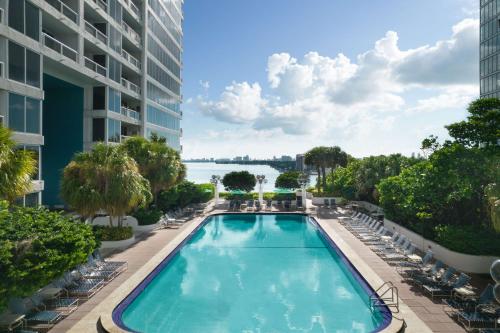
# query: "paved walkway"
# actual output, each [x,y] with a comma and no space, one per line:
[430,312]
[148,245]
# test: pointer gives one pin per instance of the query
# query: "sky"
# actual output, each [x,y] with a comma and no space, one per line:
[278,77]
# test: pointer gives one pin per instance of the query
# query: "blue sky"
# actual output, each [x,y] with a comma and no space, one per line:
[264,77]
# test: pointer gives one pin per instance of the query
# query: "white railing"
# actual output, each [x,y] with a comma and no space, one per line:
[130,113]
[99,69]
[131,32]
[132,60]
[59,47]
[95,32]
[133,8]
[132,86]
[64,9]
[101,4]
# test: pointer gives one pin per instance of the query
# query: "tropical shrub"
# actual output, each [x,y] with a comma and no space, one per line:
[288,180]
[147,216]
[468,239]
[17,166]
[38,246]
[108,233]
[239,180]
[104,178]
[184,194]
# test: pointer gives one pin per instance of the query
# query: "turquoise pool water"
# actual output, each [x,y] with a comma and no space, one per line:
[253,274]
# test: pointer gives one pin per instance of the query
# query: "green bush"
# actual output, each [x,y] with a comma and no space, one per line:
[184,194]
[289,179]
[468,239]
[107,233]
[38,246]
[239,180]
[147,216]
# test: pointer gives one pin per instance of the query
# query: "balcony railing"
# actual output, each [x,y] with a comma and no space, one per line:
[132,60]
[64,9]
[130,113]
[59,47]
[131,32]
[95,32]
[99,69]
[101,4]
[132,86]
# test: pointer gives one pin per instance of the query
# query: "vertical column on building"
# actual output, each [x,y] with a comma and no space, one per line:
[144,60]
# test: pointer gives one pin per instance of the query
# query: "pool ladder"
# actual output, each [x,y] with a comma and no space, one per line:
[385,295]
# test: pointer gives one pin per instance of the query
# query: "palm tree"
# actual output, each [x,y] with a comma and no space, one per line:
[336,157]
[318,158]
[157,162]
[17,168]
[104,178]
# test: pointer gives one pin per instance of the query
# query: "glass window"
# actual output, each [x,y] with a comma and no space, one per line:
[32,116]
[114,130]
[16,62]
[115,70]
[16,15]
[32,68]
[99,98]
[114,100]
[16,112]
[32,21]
[98,129]
[31,200]
[115,39]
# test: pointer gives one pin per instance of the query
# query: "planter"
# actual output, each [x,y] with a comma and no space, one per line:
[463,262]
[121,244]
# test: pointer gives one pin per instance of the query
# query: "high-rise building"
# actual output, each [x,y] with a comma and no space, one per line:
[490,48]
[77,72]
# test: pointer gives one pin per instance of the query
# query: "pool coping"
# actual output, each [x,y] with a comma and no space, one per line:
[120,297]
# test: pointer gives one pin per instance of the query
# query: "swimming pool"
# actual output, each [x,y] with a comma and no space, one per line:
[253,273]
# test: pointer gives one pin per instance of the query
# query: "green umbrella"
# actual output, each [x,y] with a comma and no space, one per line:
[283,191]
[237,192]
[207,190]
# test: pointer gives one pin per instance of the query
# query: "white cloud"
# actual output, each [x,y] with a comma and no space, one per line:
[322,97]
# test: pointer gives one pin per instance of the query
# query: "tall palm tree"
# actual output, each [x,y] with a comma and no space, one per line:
[157,162]
[316,158]
[336,157]
[104,178]
[17,168]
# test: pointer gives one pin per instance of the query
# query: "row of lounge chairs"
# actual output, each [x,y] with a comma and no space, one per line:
[60,298]
[268,205]
[431,276]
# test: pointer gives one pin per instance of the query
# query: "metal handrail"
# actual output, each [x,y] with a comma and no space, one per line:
[131,59]
[130,113]
[60,47]
[102,4]
[389,297]
[99,69]
[129,85]
[131,32]
[89,27]
[64,9]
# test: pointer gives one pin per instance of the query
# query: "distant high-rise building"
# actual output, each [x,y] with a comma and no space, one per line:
[286,158]
[489,48]
[300,162]
[77,72]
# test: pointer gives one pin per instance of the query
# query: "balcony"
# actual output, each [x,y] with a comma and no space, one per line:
[64,9]
[94,66]
[101,4]
[133,8]
[131,86]
[131,60]
[131,33]
[96,33]
[130,113]
[60,47]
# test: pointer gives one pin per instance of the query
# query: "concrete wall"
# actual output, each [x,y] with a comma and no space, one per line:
[462,262]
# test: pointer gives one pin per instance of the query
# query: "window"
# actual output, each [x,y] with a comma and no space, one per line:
[115,39]
[31,200]
[32,68]
[163,98]
[162,118]
[115,70]
[24,114]
[164,78]
[16,15]
[32,21]
[99,100]
[16,62]
[114,130]
[114,100]
[32,115]
[16,112]
[98,129]
[115,11]
[25,18]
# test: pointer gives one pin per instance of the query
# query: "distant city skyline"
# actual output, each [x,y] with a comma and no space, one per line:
[301,74]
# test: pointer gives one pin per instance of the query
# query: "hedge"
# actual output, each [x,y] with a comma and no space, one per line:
[107,233]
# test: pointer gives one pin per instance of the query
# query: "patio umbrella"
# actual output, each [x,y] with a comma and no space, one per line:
[237,192]
[283,191]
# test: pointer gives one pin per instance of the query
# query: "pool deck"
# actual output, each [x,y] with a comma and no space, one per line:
[420,313]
